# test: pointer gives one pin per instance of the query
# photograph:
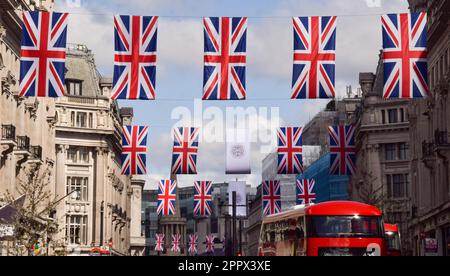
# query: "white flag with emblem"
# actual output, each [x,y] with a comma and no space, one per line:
[238,151]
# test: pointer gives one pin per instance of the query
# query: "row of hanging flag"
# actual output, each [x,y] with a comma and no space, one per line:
[43,55]
[271,195]
[203,200]
[289,150]
[192,245]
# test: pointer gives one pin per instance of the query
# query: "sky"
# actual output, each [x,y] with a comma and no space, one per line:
[179,74]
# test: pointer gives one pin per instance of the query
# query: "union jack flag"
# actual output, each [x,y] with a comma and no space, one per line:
[43,54]
[271,197]
[159,240]
[135,57]
[134,150]
[290,150]
[342,150]
[193,240]
[202,198]
[166,197]
[185,147]
[225,58]
[210,243]
[405,55]
[314,57]
[305,191]
[176,243]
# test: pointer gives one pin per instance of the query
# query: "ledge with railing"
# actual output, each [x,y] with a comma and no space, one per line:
[8,133]
[36,153]
[23,143]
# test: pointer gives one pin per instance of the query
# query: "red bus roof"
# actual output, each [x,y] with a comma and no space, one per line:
[388,227]
[342,208]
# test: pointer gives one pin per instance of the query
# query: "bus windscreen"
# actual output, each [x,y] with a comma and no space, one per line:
[344,226]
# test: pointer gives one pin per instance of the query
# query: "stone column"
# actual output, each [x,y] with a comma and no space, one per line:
[60,184]
[98,193]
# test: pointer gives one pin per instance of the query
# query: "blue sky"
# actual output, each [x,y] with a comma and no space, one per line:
[269,59]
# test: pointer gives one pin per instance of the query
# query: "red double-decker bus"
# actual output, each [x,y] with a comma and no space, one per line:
[393,245]
[333,228]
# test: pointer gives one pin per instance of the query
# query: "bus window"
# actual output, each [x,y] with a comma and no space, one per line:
[344,226]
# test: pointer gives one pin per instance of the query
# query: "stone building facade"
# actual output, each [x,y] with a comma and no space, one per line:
[430,139]
[88,147]
[382,145]
[21,141]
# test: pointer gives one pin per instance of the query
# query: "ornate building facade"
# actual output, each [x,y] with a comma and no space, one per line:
[88,145]
[430,152]
[382,146]
[21,141]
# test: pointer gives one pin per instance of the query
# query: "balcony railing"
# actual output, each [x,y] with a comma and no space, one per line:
[427,149]
[23,143]
[36,152]
[441,137]
[8,132]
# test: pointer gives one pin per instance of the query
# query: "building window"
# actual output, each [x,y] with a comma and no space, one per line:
[402,115]
[76,230]
[81,119]
[79,184]
[383,117]
[389,152]
[78,155]
[402,151]
[72,118]
[74,87]
[393,116]
[397,186]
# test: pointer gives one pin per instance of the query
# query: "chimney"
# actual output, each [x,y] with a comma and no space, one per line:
[366,81]
[126,113]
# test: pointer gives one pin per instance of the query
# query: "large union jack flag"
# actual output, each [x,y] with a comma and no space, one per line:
[135,57]
[185,147]
[342,150]
[159,242]
[314,57]
[405,55]
[202,198]
[193,240]
[166,197]
[305,191]
[134,150]
[210,243]
[176,243]
[271,197]
[43,54]
[290,150]
[225,46]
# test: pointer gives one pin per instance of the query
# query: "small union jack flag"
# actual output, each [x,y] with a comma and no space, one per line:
[305,191]
[290,150]
[43,54]
[159,241]
[314,57]
[202,198]
[210,243]
[193,240]
[135,57]
[185,147]
[176,243]
[166,197]
[405,55]
[134,150]
[342,150]
[271,197]
[225,58]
